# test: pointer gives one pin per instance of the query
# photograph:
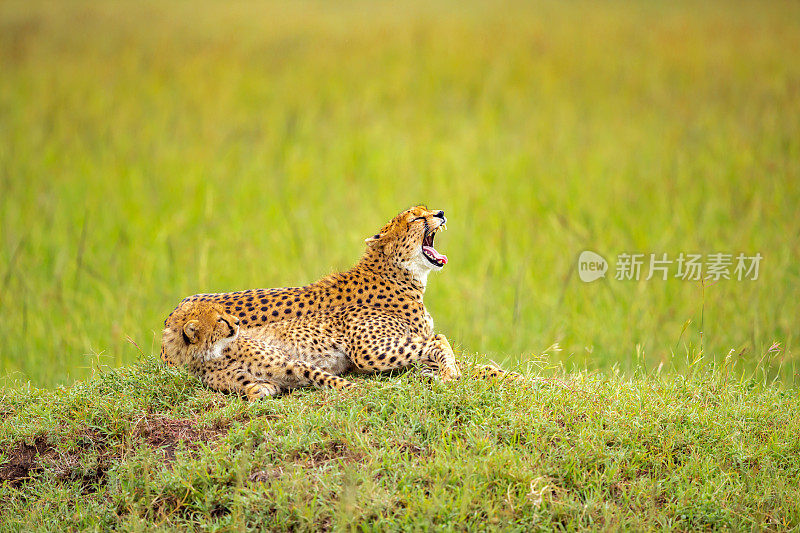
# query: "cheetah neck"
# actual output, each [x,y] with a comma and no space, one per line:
[411,279]
[419,271]
[370,271]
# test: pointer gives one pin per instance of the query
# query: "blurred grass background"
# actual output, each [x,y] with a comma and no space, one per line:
[153,150]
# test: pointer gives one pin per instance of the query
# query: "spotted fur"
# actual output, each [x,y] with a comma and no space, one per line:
[203,336]
[367,319]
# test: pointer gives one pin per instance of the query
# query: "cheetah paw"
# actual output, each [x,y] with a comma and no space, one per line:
[450,373]
[255,391]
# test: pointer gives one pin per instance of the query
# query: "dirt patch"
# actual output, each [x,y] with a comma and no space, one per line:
[25,460]
[22,458]
[166,434]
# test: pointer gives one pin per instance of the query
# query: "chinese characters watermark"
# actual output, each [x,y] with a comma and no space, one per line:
[684,266]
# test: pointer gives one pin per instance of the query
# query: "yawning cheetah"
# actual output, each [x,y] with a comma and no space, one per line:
[370,318]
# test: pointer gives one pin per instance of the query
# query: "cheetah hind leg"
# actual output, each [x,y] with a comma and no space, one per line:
[491,372]
[476,371]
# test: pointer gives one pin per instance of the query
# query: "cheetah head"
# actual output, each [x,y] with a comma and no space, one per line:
[197,330]
[407,241]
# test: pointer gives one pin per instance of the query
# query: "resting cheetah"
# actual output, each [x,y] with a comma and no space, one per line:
[370,318]
[208,340]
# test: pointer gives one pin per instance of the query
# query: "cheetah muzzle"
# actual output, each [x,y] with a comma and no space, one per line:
[428,251]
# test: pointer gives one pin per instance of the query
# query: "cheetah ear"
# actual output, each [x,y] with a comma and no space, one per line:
[375,239]
[381,241]
[388,247]
[190,330]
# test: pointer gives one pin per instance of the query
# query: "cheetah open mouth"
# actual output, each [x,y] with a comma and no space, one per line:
[430,253]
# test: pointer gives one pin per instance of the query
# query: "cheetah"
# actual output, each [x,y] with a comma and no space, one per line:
[370,318]
[207,339]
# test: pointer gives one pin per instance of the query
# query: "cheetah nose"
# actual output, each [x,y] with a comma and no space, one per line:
[439,214]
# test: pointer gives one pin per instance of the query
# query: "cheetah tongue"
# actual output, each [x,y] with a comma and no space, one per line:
[433,254]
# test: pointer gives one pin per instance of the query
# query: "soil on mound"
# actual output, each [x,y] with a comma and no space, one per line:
[27,458]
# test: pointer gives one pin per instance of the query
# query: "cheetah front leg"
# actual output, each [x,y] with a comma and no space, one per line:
[270,364]
[237,379]
[438,355]
[292,374]
[272,379]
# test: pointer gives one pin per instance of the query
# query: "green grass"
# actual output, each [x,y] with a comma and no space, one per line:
[151,150]
[146,447]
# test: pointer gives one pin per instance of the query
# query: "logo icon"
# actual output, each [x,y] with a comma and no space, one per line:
[591,266]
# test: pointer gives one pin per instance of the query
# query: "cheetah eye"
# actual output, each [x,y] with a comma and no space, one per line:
[418,218]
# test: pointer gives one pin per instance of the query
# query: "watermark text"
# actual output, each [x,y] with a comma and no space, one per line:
[685,266]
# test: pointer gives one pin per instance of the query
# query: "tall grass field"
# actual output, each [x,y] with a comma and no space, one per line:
[151,150]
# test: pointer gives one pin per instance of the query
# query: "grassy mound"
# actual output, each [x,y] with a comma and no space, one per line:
[146,446]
